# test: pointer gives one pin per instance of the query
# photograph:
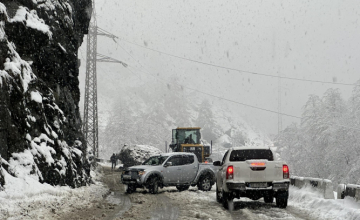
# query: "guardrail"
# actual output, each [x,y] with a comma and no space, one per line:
[324,186]
[350,190]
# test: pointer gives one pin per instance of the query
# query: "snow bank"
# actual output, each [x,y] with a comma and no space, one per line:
[26,198]
[313,203]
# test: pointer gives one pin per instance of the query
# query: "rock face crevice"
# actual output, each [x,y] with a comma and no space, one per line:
[39,89]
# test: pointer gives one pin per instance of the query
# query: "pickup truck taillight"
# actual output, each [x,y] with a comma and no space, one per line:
[286,174]
[230,172]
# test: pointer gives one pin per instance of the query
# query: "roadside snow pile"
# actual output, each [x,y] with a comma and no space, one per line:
[136,154]
[28,199]
[313,203]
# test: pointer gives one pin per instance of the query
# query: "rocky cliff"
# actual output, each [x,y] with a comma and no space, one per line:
[40,124]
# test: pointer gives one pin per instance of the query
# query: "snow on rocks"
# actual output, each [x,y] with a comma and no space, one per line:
[136,154]
[35,95]
[16,68]
[31,20]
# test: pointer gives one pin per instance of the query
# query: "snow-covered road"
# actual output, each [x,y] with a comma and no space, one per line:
[107,200]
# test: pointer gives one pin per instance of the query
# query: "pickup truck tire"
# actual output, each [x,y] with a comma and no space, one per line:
[281,202]
[182,187]
[268,199]
[204,183]
[153,185]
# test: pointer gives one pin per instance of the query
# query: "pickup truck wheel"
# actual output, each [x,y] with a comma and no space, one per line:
[205,183]
[281,202]
[182,187]
[268,199]
[153,185]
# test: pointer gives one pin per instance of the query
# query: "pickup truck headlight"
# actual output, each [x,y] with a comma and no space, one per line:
[141,172]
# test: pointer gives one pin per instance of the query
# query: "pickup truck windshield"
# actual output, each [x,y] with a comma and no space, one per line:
[243,155]
[155,160]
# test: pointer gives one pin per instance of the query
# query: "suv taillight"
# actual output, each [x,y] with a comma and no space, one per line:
[286,174]
[230,172]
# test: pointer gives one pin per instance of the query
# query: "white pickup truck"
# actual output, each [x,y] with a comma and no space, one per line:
[251,172]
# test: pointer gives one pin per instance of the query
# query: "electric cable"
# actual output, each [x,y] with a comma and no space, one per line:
[226,99]
[237,70]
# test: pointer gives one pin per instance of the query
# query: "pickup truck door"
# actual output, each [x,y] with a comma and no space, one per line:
[189,168]
[172,174]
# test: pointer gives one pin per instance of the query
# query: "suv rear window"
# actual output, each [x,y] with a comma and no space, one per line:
[256,154]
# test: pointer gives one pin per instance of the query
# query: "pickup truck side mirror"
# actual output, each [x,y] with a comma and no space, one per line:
[168,164]
[217,163]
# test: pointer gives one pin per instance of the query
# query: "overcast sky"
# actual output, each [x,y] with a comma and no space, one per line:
[313,40]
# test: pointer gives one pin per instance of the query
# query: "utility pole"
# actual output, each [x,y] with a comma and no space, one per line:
[90,124]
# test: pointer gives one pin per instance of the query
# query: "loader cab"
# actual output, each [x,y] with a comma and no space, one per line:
[186,136]
[188,140]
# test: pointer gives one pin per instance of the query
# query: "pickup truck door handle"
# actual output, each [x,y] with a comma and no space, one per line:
[178,168]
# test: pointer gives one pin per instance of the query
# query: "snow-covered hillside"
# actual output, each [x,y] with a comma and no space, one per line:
[140,118]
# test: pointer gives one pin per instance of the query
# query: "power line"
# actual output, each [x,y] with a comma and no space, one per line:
[237,70]
[226,99]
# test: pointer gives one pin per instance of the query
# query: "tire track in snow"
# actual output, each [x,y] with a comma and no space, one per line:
[166,210]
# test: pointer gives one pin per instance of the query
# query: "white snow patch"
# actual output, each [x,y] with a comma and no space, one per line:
[44,150]
[77,151]
[31,20]
[26,198]
[312,202]
[15,64]
[21,164]
[35,96]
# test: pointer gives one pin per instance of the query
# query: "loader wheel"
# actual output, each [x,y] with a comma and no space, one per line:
[204,183]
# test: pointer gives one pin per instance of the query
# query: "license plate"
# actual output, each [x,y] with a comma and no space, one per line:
[258,185]
[126,177]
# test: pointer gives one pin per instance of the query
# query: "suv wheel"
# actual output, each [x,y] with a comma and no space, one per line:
[153,185]
[204,183]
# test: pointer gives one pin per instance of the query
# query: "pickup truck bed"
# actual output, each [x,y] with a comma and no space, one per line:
[252,172]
